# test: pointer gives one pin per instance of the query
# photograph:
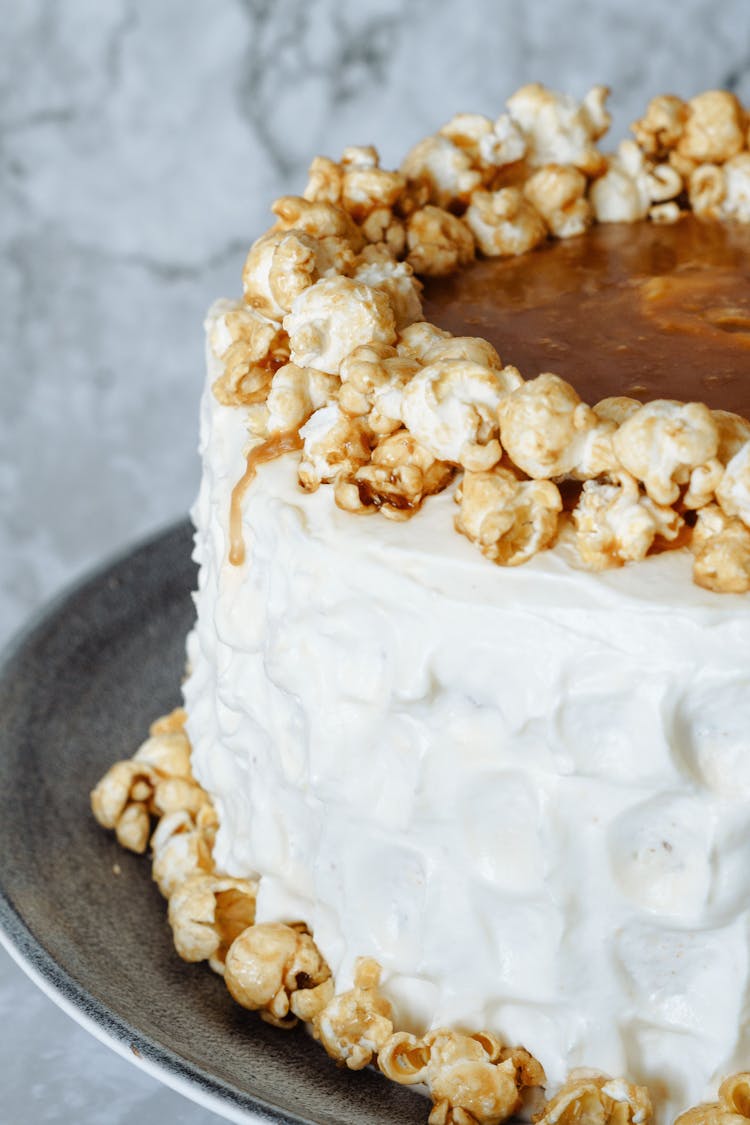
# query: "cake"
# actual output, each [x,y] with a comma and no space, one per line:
[478,771]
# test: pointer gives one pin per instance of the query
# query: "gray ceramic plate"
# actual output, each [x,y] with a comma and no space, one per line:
[77,692]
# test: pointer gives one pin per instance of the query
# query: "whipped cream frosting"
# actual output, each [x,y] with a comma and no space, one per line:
[523,791]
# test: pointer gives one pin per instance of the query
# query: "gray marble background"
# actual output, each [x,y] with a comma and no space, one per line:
[140,145]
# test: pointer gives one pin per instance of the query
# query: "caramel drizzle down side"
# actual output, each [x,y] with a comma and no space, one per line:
[269,450]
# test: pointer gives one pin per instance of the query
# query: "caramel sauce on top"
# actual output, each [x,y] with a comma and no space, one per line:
[275,446]
[634,309]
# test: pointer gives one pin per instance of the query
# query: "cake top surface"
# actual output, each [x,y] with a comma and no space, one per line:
[329,351]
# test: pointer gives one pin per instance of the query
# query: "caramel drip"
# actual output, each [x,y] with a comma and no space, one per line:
[268,450]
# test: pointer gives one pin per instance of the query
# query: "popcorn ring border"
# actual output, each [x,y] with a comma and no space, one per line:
[331,319]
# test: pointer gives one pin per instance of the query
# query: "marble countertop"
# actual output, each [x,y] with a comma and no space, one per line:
[140,146]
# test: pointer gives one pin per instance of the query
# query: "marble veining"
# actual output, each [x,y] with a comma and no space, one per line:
[140,145]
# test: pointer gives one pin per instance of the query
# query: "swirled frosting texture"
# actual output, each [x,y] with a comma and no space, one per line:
[524,792]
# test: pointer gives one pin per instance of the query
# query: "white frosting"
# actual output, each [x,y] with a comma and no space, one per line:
[523,791]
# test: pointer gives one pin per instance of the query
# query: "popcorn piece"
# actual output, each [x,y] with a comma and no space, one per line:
[714,129]
[558,191]
[734,1093]
[207,913]
[333,443]
[734,431]
[592,1099]
[733,492]
[548,432]
[504,222]
[617,408]
[156,780]
[372,380]
[721,545]
[295,393]
[560,130]
[182,846]
[325,181]
[431,344]
[419,339]
[704,480]
[489,144]
[439,242]
[251,347]
[383,226]
[366,187]
[663,442]
[335,316]
[509,520]
[616,524]
[471,1078]
[722,192]
[445,170]
[630,186]
[356,1025]
[378,269]
[659,130]
[271,968]
[400,476]
[279,266]
[450,407]
[321,221]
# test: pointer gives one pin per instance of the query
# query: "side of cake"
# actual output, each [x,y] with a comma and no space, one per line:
[509,802]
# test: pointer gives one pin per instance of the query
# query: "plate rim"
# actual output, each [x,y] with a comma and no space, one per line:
[28,952]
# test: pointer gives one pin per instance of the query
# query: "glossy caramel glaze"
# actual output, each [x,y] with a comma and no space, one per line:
[626,309]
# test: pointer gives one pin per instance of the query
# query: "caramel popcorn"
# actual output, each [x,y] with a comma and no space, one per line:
[592,1099]
[509,520]
[377,269]
[355,1025]
[333,443]
[721,546]
[365,186]
[430,344]
[269,965]
[444,169]
[560,130]
[663,442]
[279,266]
[155,781]
[251,347]
[734,431]
[385,227]
[182,845]
[451,406]
[504,222]
[294,394]
[322,221]
[333,317]
[617,408]
[722,192]
[616,523]
[489,144]
[400,475]
[631,186]
[439,243]
[733,490]
[471,1078]
[731,1108]
[372,379]
[558,191]
[661,127]
[714,129]
[548,432]
[325,181]
[207,912]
